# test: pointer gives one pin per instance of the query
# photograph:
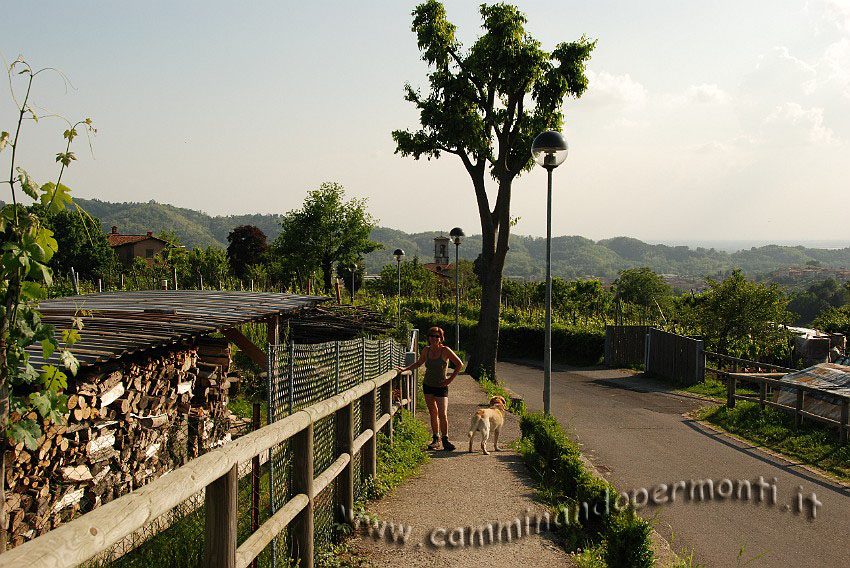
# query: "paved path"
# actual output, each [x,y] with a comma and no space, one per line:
[458,489]
[634,431]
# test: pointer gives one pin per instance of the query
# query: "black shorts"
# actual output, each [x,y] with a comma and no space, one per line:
[435,391]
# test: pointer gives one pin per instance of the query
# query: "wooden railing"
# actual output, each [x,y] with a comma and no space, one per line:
[217,472]
[765,380]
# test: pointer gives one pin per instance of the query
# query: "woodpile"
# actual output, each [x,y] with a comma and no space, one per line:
[129,422]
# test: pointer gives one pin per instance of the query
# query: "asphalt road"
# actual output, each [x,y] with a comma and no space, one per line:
[633,430]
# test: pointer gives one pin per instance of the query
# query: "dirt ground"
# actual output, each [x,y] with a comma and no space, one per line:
[458,490]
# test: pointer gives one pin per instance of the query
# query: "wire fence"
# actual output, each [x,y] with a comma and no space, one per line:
[302,375]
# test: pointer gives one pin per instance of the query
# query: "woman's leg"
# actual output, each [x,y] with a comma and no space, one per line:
[442,404]
[431,403]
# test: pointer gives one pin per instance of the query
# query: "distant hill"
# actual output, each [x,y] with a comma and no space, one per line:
[572,256]
[195,228]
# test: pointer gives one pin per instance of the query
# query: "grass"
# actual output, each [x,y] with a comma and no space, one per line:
[498,388]
[243,407]
[811,444]
[716,389]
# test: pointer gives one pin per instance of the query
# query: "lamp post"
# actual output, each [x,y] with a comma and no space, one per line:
[549,150]
[457,235]
[398,254]
[353,276]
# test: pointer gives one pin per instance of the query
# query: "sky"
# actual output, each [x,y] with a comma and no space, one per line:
[721,120]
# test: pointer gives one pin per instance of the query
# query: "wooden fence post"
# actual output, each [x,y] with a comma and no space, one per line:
[845,416]
[255,480]
[730,390]
[344,444]
[762,394]
[387,408]
[405,389]
[220,514]
[798,418]
[302,482]
[369,455]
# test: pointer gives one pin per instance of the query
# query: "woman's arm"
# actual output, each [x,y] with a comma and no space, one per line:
[415,365]
[456,362]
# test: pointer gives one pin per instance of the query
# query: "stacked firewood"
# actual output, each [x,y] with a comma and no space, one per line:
[129,422]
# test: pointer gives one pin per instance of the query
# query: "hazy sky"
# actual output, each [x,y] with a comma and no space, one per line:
[703,120]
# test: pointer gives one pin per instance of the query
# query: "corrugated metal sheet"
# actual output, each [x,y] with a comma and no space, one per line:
[827,377]
[121,323]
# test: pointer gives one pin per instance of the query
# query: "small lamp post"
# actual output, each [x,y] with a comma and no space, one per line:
[398,254]
[457,235]
[549,150]
[353,276]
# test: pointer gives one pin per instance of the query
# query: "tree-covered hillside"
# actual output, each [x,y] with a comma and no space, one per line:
[572,256]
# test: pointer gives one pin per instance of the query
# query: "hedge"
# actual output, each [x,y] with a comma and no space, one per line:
[569,345]
[556,462]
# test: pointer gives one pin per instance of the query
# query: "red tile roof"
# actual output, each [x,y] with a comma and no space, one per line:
[117,240]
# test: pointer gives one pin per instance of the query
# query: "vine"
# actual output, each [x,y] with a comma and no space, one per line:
[30,398]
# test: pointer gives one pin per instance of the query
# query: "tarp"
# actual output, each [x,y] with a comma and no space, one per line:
[827,377]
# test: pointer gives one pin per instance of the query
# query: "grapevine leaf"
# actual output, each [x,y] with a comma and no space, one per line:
[55,198]
[26,431]
[69,361]
[28,185]
[66,158]
[53,379]
[47,348]
[32,291]
[70,337]
[50,405]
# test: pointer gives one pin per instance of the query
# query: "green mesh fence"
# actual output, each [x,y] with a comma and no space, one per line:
[302,375]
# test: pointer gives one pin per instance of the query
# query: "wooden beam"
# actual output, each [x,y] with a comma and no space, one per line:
[345,481]
[253,352]
[220,533]
[302,482]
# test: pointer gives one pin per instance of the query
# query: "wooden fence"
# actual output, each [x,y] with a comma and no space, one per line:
[771,381]
[625,345]
[675,357]
[217,473]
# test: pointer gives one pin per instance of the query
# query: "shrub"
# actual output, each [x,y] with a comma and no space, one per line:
[627,543]
[565,482]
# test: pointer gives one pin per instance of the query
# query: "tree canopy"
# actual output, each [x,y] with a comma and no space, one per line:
[246,246]
[485,105]
[739,317]
[327,230]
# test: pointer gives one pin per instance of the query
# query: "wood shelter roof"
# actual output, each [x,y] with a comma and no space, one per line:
[122,323]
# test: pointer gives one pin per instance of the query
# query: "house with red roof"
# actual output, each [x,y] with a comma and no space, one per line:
[128,247]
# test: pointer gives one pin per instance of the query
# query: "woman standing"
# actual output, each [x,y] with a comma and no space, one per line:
[435,385]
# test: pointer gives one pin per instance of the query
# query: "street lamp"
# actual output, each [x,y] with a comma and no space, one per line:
[549,150]
[457,235]
[353,273]
[398,254]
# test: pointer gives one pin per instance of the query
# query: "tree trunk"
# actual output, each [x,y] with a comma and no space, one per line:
[482,360]
[327,273]
[495,231]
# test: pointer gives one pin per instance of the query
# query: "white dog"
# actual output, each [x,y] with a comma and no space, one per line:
[486,419]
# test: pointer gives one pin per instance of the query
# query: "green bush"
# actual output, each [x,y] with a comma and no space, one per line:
[518,341]
[627,543]
[556,462]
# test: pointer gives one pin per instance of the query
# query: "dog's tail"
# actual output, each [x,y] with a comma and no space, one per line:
[476,422]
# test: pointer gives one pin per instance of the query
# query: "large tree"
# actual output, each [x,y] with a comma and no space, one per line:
[246,246]
[82,245]
[327,230]
[485,105]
